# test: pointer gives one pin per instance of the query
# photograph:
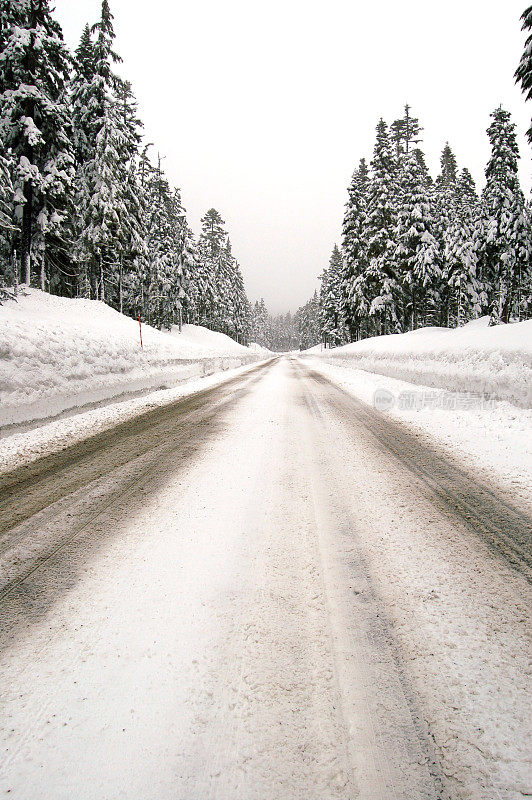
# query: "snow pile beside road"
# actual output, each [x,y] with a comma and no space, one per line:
[58,353]
[207,342]
[258,348]
[476,358]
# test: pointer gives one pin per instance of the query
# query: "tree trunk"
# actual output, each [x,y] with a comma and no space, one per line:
[43,275]
[15,273]
[26,233]
[511,280]
[84,284]
[444,309]
[518,292]
[506,308]
[26,266]
[102,287]
[120,285]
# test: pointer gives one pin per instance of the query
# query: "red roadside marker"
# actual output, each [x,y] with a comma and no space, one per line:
[140,330]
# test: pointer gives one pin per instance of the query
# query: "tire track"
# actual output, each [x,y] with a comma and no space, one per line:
[32,487]
[506,529]
[53,520]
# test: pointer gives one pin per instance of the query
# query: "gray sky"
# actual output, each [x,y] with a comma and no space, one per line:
[263,110]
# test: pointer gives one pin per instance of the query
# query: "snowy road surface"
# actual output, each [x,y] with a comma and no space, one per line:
[263,590]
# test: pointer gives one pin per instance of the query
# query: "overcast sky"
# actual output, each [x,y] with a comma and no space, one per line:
[263,110]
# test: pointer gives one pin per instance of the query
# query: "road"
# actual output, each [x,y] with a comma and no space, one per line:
[263,590]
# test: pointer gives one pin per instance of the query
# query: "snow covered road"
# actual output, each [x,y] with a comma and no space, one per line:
[263,590]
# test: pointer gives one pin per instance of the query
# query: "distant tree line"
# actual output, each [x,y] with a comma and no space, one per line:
[284,332]
[84,210]
[276,332]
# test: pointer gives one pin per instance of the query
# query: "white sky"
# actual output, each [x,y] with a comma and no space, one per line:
[263,110]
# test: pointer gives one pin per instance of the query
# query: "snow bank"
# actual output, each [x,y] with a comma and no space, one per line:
[258,348]
[202,340]
[58,353]
[495,361]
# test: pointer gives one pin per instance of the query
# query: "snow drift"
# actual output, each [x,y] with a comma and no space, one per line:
[495,361]
[58,353]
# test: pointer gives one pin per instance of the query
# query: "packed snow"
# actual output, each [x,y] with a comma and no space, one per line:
[282,613]
[58,353]
[494,361]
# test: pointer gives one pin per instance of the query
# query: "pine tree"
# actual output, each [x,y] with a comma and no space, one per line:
[8,270]
[99,190]
[131,237]
[505,258]
[260,325]
[241,308]
[212,240]
[190,263]
[462,250]
[221,298]
[332,323]
[405,133]
[417,249]
[354,250]
[379,284]
[163,263]
[308,323]
[86,121]
[448,174]
[129,122]
[524,288]
[213,233]
[7,192]
[523,73]
[34,70]
[178,272]
[107,142]
[446,199]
